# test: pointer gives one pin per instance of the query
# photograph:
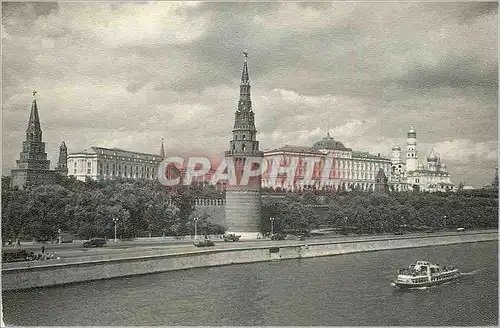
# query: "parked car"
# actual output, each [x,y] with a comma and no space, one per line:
[204,243]
[95,242]
[15,255]
[231,237]
[278,236]
[460,229]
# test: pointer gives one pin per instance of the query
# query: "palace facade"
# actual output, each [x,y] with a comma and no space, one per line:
[327,164]
[99,163]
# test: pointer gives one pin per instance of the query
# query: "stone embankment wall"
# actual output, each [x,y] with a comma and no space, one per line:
[38,274]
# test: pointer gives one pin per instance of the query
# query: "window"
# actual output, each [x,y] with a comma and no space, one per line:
[89,167]
[107,168]
[114,169]
[244,137]
[74,168]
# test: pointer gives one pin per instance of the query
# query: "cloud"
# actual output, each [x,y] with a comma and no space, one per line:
[464,150]
[454,71]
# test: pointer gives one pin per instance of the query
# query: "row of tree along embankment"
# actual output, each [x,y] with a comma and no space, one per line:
[38,274]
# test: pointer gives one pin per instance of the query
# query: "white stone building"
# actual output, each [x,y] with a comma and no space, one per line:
[100,163]
[349,170]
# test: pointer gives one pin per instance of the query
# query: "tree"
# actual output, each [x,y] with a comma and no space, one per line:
[15,217]
[45,208]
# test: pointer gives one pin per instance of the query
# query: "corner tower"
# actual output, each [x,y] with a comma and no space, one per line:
[62,164]
[33,167]
[243,200]
[411,154]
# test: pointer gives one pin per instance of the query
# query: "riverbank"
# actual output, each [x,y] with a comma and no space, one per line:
[56,272]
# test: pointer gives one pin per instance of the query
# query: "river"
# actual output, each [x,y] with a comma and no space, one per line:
[346,290]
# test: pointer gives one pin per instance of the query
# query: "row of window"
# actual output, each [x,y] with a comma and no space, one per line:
[131,159]
[119,170]
[127,158]
[420,280]
[344,175]
[244,147]
[370,166]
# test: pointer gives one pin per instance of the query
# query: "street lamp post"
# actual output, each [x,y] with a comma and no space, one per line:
[115,220]
[445,222]
[272,225]
[195,228]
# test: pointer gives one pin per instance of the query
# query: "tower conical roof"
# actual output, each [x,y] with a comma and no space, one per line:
[244,75]
[162,150]
[34,131]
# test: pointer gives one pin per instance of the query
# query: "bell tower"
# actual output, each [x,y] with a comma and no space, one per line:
[411,153]
[243,199]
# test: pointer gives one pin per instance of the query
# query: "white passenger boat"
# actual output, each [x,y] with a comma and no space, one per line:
[424,274]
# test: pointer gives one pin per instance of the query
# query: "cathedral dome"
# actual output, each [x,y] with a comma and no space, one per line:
[432,157]
[329,143]
[420,167]
[396,148]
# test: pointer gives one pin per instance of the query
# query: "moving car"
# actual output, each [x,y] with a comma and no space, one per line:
[95,242]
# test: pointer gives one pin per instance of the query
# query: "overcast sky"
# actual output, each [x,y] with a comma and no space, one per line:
[127,74]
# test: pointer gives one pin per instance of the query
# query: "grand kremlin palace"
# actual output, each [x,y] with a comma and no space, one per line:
[349,169]
[100,163]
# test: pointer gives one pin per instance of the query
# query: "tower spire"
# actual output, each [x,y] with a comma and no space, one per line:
[245,103]
[244,74]
[162,150]
[34,131]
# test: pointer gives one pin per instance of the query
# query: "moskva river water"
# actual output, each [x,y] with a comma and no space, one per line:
[352,290]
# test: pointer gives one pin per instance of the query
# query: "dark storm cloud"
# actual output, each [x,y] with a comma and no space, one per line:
[454,71]
[45,8]
[473,11]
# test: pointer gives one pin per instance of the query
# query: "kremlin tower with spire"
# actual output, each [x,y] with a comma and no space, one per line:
[243,203]
[33,167]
